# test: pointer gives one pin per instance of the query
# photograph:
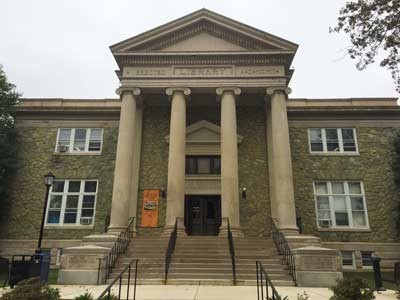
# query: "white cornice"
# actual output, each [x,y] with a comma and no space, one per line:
[209,17]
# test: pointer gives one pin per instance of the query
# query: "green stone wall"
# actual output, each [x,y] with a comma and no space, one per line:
[21,217]
[373,166]
[253,171]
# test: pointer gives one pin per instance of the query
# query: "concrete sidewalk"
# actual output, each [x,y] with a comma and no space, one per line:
[204,292]
[200,292]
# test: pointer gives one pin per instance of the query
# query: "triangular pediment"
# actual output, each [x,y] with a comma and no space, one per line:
[204,132]
[203,31]
[204,42]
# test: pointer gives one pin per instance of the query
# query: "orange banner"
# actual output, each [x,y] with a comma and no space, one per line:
[150,208]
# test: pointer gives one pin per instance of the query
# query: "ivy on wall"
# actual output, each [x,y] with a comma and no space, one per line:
[396,172]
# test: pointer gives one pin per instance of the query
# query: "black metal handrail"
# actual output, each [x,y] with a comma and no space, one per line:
[283,248]
[170,250]
[119,247]
[231,250]
[107,293]
[265,285]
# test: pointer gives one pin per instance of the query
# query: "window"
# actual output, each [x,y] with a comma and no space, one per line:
[72,202]
[366,259]
[348,260]
[340,204]
[203,165]
[329,140]
[79,140]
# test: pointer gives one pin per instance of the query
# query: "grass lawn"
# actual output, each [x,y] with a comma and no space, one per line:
[369,277]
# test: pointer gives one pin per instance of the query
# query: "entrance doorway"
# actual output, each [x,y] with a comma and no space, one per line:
[202,214]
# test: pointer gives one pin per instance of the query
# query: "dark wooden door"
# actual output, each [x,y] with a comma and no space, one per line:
[203,215]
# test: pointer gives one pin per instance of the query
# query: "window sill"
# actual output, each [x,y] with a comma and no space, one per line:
[76,153]
[78,227]
[203,177]
[334,153]
[335,229]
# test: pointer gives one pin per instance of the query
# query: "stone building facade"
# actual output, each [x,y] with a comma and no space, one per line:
[204,114]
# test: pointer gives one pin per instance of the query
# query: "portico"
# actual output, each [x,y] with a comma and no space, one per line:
[209,55]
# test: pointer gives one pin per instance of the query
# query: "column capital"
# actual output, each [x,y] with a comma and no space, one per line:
[170,91]
[273,89]
[235,90]
[128,89]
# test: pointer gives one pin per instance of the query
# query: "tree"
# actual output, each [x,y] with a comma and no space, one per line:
[374,30]
[8,105]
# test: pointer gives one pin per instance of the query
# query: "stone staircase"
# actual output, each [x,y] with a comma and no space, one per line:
[204,260]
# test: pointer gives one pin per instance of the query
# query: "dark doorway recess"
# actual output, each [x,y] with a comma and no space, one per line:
[202,214]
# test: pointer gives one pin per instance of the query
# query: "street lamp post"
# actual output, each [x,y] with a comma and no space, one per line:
[48,181]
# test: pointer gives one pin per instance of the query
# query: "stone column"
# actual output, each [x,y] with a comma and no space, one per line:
[137,147]
[229,159]
[279,147]
[176,157]
[124,160]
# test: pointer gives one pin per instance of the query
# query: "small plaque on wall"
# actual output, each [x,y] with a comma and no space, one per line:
[150,208]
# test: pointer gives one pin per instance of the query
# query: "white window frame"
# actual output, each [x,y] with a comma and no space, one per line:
[340,141]
[72,139]
[347,196]
[353,259]
[64,195]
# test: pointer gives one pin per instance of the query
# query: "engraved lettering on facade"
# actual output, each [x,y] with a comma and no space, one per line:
[203,71]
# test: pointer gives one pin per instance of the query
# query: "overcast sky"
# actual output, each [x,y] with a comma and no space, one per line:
[60,48]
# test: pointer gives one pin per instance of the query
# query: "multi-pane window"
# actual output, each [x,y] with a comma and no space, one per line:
[72,202]
[75,140]
[348,260]
[340,204]
[339,140]
[203,165]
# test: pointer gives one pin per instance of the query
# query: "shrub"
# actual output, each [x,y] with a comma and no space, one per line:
[32,289]
[85,296]
[111,297]
[354,289]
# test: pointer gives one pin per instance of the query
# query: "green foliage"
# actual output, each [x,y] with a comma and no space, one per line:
[374,28]
[355,289]
[85,296]
[8,105]
[303,296]
[111,297]
[32,289]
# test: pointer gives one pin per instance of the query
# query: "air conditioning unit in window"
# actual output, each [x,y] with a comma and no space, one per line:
[325,223]
[62,148]
[86,221]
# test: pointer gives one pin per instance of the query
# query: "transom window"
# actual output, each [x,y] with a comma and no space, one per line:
[203,165]
[75,140]
[340,204]
[72,202]
[327,140]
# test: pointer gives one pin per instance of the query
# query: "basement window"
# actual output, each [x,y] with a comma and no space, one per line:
[348,260]
[366,259]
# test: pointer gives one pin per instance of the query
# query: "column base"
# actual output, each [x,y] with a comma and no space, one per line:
[223,230]
[181,230]
[289,229]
